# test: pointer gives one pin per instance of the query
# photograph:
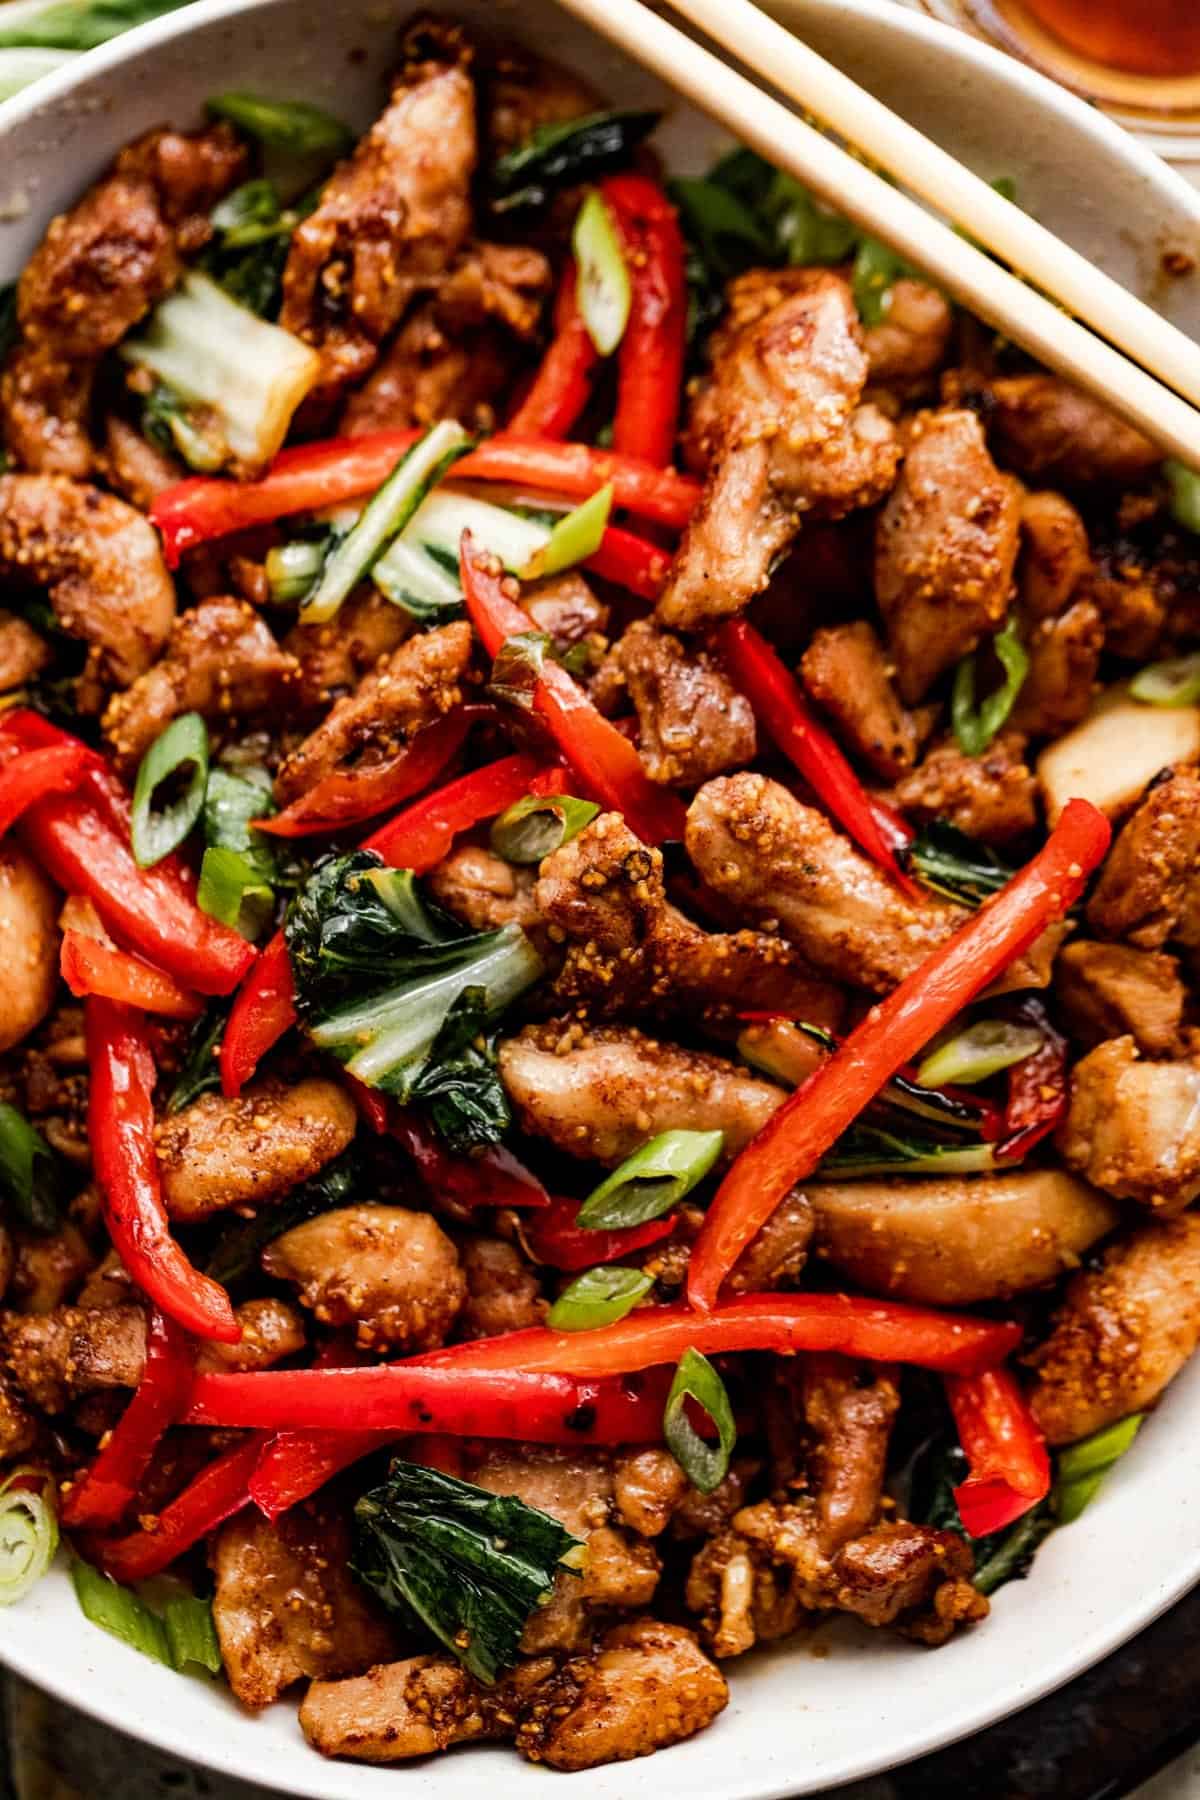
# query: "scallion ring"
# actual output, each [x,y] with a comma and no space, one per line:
[977,1052]
[574,538]
[179,756]
[1175,682]
[517,669]
[1184,485]
[28,1532]
[293,570]
[605,291]
[232,890]
[704,1464]
[975,727]
[652,1180]
[538,825]
[599,1297]
[1083,1466]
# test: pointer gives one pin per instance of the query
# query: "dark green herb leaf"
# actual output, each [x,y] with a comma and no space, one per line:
[953,864]
[200,1073]
[876,269]
[291,125]
[576,150]
[704,1464]
[29,1173]
[460,1085]
[469,1565]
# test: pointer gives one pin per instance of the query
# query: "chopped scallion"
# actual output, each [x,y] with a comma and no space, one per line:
[292,570]
[232,890]
[599,1297]
[1082,1467]
[1175,682]
[605,291]
[292,125]
[975,727]
[977,1052]
[178,755]
[1184,485]
[573,539]
[652,1180]
[28,1531]
[538,825]
[704,1464]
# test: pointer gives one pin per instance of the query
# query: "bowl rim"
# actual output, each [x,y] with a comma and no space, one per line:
[159,1727]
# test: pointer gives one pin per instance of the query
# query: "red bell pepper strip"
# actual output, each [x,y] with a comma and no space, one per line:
[121,1133]
[101,1496]
[631,562]
[91,967]
[1037,1087]
[654,344]
[422,835]
[871,1330]
[296,1464]
[263,1009]
[810,1121]
[81,839]
[554,1238]
[346,797]
[55,769]
[595,749]
[495,1178]
[1010,1466]
[783,710]
[562,386]
[314,476]
[218,1492]
[538,1407]
[374,1108]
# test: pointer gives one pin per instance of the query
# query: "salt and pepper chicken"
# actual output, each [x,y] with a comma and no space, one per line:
[598,1059]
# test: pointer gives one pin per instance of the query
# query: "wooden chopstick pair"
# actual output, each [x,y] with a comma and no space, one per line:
[1026,306]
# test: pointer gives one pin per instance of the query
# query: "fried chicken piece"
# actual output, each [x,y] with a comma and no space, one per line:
[1123,1332]
[54,1357]
[413,1708]
[775,1256]
[1064,660]
[945,549]
[1143,891]
[754,843]
[693,722]
[220,1152]
[991,796]
[648,1485]
[1112,990]
[101,565]
[787,439]
[286,1605]
[18,1427]
[1133,1127]
[905,350]
[334,657]
[1054,557]
[392,1274]
[1044,427]
[849,1410]
[411,688]
[29,931]
[486,892]
[503,1292]
[48,1266]
[847,672]
[97,272]
[24,653]
[271,1331]
[139,470]
[221,661]
[600,1094]
[391,218]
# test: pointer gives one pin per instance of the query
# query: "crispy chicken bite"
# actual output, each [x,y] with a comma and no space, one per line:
[991,796]
[847,672]
[1112,990]
[1042,426]
[1144,891]
[219,1152]
[1054,558]
[1064,660]
[693,721]
[1133,1127]
[29,932]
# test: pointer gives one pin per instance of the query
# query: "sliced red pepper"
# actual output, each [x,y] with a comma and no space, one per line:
[82,840]
[554,1238]
[496,1178]
[854,1325]
[595,749]
[55,769]
[263,1009]
[346,797]
[1037,1087]
[1010,1466]
[810,1121]
[91,967]
[537,1407]
[121,1133]
[374,1108]
[100,1497]
[562,386]
[654,344]
[296,1464]
[631,562]
[214,1496]
[779,703]
[422,835]
[314,476]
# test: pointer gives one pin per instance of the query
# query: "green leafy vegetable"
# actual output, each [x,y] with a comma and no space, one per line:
[177,761]
[231,890]
[235,1258]
[252,232]
[1082,1467]
[468,1565]
[460,1086]
[180,431]
[291,125]
[978,1052]
[867,1150]
[599,1297]
[605,292]
[575,150]
[29,1173]
[1184,487]
[79,24]
[938,1467]
[539,824]
[240,869]
[958,866]
[574,538]
[1008,1555]
[725,236]
[1175,682]
[652,1180]
[176,1630]
[975,727]
[28,1531]
[200,1073]
[704,1464]
[293,569]
[876,270]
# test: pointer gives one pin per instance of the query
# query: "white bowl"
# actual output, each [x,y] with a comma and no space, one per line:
[797,1721]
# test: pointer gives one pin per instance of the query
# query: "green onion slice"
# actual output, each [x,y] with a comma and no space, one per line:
[1184,485]
[976,727]
[876,270]
[384,517]
[652,1180]
[517,668]
[178,755]
[191,1634]
[538,825]
[599,1297]
[29,1175]
[232,890]
[978,1051]
[120,1612]
[1172,683]
[292,125]
[292,570]
[1083,1466]
[28,1531]
[704,1464]
[605,291]
[574,538]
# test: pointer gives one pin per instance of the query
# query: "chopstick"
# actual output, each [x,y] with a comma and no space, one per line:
[926,169]
[970,276]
